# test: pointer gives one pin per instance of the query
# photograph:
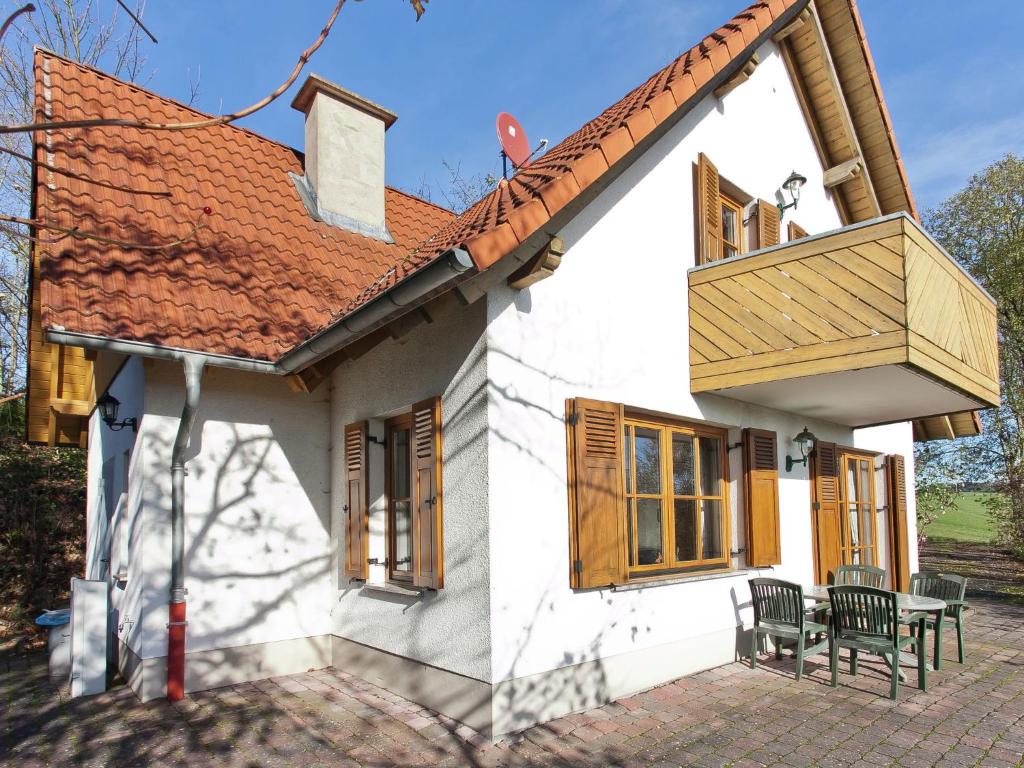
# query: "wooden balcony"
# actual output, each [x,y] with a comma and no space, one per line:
[869,324]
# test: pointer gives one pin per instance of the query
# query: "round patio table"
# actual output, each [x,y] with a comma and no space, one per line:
[905,602]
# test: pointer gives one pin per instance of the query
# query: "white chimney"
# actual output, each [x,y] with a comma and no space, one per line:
[344,157]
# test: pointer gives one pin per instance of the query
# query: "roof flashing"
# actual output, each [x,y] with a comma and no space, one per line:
[316,212]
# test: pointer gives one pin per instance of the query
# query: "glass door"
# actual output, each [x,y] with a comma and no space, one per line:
[859,531]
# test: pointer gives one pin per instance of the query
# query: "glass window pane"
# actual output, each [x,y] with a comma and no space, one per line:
[854,526]
[851,482]
[400,464]
[710,466]
[627,460]
[630,532]
[865,481]
[682,465]
[686,529]
[728,251]
[730,227]
[867,523]
[648,460]
[648,524]
[403,536]
[711,532]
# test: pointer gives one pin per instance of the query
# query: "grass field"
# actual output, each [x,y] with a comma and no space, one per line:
[969,522]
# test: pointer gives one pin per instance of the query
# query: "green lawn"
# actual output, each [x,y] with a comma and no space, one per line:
[969,522]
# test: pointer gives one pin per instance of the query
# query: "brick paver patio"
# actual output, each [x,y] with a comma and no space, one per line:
[971,715]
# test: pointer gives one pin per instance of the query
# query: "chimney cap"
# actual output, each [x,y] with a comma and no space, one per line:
[315,84]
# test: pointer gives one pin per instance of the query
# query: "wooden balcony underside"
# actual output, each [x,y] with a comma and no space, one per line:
[876,294]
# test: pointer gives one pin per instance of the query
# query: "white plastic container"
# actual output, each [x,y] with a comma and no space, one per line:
[58,642]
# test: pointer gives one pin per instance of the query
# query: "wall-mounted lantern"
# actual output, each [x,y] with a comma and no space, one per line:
[791,185]
[805,441]
[108,405]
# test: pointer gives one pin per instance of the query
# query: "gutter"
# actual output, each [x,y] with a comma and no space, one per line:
[452,263]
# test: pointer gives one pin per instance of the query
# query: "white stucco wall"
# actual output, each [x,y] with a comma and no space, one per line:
[612,324]
[257,518]
[113,519]
[448,628]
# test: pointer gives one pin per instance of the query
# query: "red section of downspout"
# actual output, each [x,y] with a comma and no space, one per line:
[176,652]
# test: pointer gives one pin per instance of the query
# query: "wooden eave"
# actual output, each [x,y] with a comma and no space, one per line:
[838,89]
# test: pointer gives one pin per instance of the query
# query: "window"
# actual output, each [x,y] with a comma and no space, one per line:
[414,542]
[732,227]
[674,491]
[721,229]
[399,497]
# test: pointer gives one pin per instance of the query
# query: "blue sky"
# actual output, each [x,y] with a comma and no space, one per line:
[956,104]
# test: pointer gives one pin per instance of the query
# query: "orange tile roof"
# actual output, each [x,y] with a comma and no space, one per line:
[261,275]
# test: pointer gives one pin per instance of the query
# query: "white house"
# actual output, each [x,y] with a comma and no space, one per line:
[519,461]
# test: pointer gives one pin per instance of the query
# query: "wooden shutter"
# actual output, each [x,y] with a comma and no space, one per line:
[709,211]
[899,547]
[827,514]
[794,231]
[596,498]
[768,224]
[357,502]
[761,485]
[428,534]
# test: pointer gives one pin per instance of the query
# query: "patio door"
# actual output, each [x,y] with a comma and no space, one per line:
[844,490]
[859,526]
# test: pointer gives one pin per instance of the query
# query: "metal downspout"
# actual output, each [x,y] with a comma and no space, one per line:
[176,610]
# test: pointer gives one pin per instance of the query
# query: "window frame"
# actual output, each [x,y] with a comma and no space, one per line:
[865,508]
[391,426]
[666,427]
[725,201]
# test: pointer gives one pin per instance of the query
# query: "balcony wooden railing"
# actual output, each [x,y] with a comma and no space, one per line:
[870,297]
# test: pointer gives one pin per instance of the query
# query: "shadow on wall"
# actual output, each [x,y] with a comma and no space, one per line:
[258,545]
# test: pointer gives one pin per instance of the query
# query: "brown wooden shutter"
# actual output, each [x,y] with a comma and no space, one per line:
[827,514]
[357,503]
[794,231]
[761,485]
[768,224]
[428,533]
[597,501]
[709,211]
[899,547]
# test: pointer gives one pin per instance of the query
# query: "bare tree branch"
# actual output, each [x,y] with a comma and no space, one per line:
[78,234]
[80,177]
[27,8]
[137,20]
[207,123]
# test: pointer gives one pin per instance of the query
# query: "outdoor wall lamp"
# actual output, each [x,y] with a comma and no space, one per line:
[805,441]
[791,185]
[108,405]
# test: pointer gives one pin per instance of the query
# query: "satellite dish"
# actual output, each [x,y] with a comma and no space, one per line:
[513,139]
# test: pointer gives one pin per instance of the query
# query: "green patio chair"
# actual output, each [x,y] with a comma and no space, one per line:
[868,619]
[860,576]
[950,588]
[779,611]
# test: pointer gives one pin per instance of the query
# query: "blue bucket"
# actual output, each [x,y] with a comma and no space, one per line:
[56,618]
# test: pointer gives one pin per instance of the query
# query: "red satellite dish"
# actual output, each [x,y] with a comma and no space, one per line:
[513,139]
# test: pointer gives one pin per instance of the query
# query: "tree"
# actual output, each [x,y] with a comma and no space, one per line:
[74,29]
[982,227]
